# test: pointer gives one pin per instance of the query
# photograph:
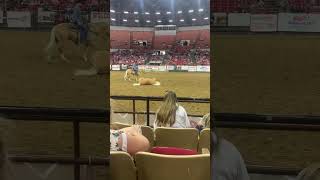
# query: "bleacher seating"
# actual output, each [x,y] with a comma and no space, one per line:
[120,39]
[158,167]
[121,161]
[177,137]
[204,140]
[163,42]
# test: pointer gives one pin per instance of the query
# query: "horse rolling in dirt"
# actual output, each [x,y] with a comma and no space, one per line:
[97,40]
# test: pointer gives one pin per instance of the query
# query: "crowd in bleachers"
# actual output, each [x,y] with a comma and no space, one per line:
[265,6]
[134,56]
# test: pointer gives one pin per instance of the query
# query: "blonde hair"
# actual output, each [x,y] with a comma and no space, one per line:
[166,114]
[312,172]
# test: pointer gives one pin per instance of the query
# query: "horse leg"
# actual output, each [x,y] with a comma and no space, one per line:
[60,49]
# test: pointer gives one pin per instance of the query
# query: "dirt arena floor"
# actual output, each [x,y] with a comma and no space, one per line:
[195,85]
[269,74]
[28,80]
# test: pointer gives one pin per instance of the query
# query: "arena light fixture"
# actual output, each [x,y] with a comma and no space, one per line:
[112,11]
[179,12]
[206,18]
[171,20]
[135,12]
[146,13]
[124,20]
[113,19]
[157,13]
[191,11]
[148,21]
[181,20]
[136,20]
[200,10]
[194,19]
[126,12]
[168,12]
[159,21]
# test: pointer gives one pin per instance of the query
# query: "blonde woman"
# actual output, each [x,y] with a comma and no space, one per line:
[171,114]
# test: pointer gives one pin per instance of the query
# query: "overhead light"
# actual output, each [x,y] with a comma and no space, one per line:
[113,19]
[170,20]
[190,11]
[157,13]
[206,18]
[112,11]
[179,12]
[194,19]
[126,12]
[148,21]
[147,13]
[168,12]
[124,20]
[200,10]
[181,20]
[136,20]
[135,12]
[159,21]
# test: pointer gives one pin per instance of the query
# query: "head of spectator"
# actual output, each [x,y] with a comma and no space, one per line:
[311,172]
[166,115]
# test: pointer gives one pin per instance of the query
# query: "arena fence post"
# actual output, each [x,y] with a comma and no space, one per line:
[134,110]
[76,148]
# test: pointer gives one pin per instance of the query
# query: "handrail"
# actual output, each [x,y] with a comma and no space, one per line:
[75,116]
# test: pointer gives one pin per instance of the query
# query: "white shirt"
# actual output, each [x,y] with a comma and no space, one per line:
[182,120]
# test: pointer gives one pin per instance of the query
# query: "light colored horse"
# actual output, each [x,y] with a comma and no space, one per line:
[97,40]
[130,74]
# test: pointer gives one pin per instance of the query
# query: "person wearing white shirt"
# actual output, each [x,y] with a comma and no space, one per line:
[171,114]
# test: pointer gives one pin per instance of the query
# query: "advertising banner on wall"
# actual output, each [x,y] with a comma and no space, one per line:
[203,68]
[124,66]
[46,16]
[170,68]
[220,19]
[192,68]
[1,17]
[116,67]
[185,68]
[162,68]
[263,22]
[239,19]
[99,17]
[19,19]
[299,22]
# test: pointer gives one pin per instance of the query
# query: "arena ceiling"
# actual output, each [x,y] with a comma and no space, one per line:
[148,13]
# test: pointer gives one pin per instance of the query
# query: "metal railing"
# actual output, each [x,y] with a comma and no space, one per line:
[148,99]
[74,116]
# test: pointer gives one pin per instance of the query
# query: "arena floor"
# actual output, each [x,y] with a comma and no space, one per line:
[195,85]
[269,74]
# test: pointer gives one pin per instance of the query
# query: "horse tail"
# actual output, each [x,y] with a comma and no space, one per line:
[125,75]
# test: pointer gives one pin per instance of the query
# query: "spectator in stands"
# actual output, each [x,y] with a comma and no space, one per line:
[312,172]
[226,161]
[171,114]
[128,140]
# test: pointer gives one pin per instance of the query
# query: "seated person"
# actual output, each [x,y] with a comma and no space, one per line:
[171,114]
[312,172]
[226,161]
[129,140]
